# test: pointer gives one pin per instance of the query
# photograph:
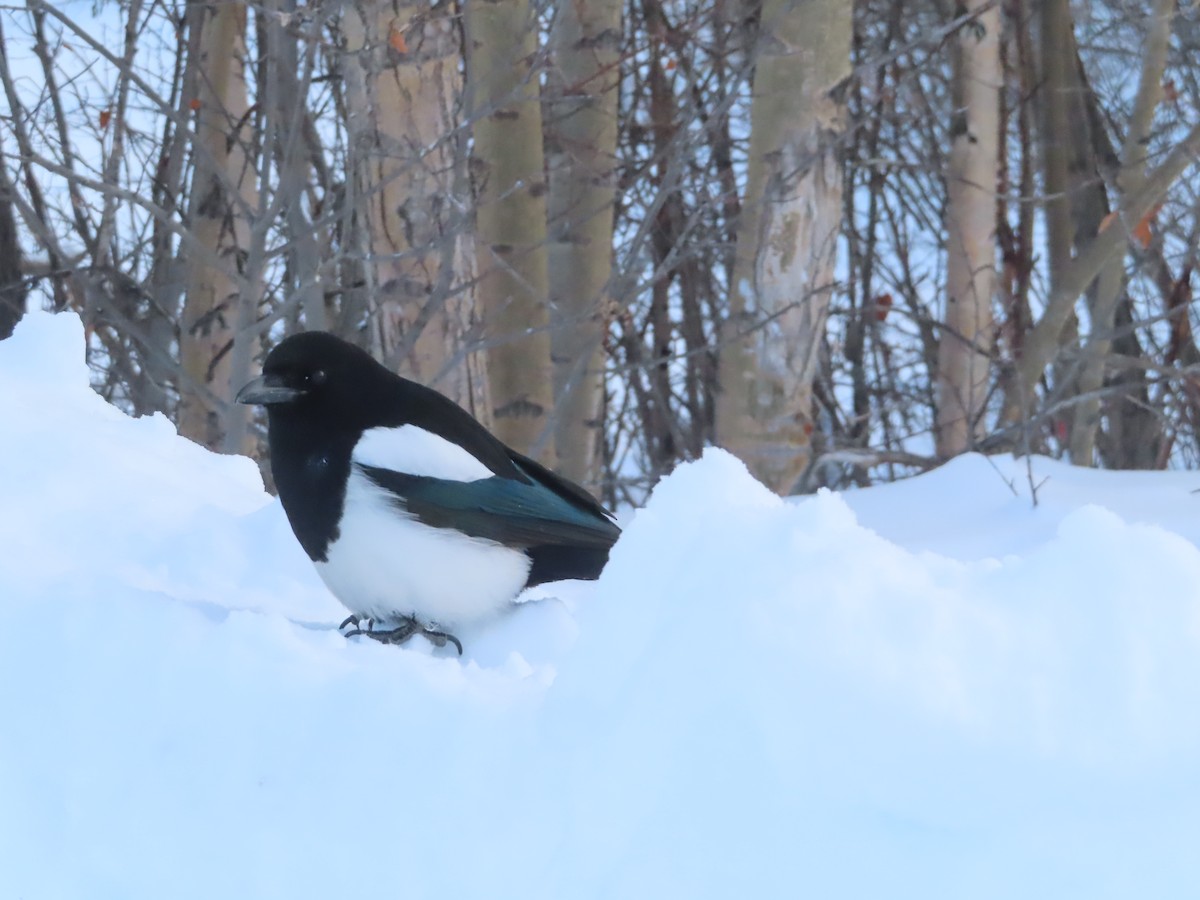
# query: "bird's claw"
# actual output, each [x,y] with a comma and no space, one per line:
[400,634]
[440,638]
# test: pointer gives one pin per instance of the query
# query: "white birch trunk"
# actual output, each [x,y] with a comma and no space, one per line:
[966,340]
[508,169]
[224,195]
[582,146]
[403,91]
[786,244]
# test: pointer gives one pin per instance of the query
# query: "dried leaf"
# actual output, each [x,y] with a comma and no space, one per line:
[105,118]
[396,40]
[194,103]
[1141,232]
[882,306]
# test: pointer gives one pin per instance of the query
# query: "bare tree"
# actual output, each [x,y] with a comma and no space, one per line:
[220,299]
[12,287]
[710,170]
[510,219]
[791,214]
[581,139]
[964,347]
[1111,281]
[408,192]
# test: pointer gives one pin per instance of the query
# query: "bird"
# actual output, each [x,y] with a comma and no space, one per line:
[417,518]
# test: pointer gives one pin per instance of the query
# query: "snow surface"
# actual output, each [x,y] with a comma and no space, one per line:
[928,689]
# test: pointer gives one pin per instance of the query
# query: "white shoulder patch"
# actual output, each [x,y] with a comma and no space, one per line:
[415,451]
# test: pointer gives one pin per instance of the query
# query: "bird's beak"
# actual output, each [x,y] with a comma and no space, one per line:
[268,390]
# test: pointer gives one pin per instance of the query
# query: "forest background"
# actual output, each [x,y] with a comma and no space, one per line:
[846,241]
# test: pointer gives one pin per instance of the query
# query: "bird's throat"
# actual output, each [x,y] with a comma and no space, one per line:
[311,480]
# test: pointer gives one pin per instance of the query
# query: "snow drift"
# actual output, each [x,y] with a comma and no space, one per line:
[931,689]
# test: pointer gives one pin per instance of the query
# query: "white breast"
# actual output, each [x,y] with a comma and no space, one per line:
[385,564]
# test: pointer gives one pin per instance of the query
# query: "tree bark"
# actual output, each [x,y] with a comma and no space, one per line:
[224,193]
[409,193]
[1042,342]
[964,348]
[787,238]
[1111,281]
[1062,172]
[1077,159]
[1056,86]
[286,83]
[12,284]
[581,142]
[508,169]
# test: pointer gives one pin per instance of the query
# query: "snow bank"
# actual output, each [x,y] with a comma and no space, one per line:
[929,689]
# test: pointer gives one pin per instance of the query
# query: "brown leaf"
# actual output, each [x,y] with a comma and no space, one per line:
[105,118]
[194,103]
[396,40]
[1141,231]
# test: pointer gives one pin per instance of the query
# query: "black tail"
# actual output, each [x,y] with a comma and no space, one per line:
[557,563]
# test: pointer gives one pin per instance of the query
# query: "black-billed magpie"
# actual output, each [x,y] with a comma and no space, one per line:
[416,517]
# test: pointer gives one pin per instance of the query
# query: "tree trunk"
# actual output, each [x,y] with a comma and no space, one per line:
[224,193]
[1077,159]
[964,348]
[582,145]
[1042,341]
[783,272]
[508,168]
[12,284]
[1135,432]
[1111,282]
[284,89]
[1056,86]
[409,192]
[1062,169]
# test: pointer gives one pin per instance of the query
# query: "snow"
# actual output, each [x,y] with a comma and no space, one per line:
[934,688]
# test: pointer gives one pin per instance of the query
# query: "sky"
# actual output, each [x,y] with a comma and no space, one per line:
[932,688]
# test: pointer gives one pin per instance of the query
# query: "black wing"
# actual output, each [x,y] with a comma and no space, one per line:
[513,513]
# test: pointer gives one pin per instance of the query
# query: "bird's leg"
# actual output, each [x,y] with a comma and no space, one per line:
[402,633]
[349,620]
[398,635]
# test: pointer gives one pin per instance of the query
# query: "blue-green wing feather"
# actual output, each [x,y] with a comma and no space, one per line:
[513,513]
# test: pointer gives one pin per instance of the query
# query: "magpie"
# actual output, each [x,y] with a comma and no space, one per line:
[417,518]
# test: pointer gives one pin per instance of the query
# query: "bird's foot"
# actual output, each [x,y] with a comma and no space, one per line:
[400,634]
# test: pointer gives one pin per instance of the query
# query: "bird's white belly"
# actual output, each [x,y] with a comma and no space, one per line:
[385,564]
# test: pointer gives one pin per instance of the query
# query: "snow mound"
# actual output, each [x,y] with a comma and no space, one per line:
[929,689]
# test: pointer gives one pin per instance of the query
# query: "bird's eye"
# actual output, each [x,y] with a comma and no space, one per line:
[317,378]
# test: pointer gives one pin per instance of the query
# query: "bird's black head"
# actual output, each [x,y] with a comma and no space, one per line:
[313,373]
[320,393]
